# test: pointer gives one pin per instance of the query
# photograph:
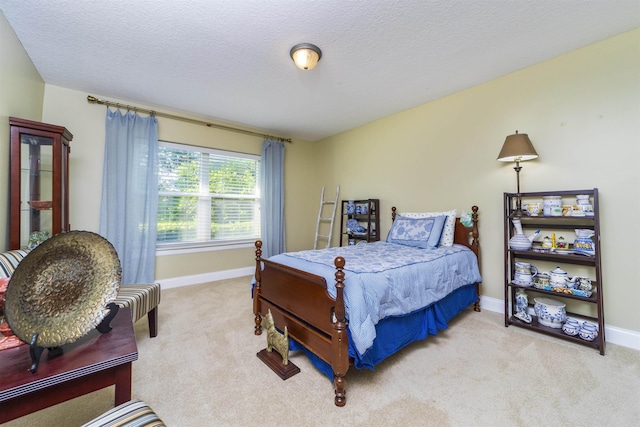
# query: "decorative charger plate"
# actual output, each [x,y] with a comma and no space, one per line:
[60,290]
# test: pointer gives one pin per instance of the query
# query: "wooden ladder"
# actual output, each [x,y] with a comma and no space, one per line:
[325,206]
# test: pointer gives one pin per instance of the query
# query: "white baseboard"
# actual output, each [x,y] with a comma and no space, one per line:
[614,335]
[196,279]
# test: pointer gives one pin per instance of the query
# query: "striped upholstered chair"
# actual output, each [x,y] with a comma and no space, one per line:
[134,413]
[143,299]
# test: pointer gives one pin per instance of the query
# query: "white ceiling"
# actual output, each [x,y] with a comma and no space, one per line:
[228,60]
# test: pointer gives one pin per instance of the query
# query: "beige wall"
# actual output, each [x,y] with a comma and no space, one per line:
[86,121]
[582,113]
[21,94]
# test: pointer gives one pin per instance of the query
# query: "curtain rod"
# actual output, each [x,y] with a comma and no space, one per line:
[94,100]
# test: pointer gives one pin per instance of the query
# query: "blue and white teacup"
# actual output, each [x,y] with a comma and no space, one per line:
[571,327]
[588,331]
[582,283]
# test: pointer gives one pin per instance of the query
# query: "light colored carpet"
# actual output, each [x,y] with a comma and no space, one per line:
[202,370]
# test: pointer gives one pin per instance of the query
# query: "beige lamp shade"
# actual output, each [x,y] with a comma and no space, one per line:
[517,148]
[305,55]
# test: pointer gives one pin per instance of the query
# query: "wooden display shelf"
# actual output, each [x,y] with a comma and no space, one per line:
[591,263]
[568,222]
[555,256]
[369,221]
[41,205]
[592,299]
[556,332]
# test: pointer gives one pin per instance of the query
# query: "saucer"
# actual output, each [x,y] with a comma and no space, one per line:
[519,283]
[564,251]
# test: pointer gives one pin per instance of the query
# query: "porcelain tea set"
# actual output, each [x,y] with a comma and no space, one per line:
[583,243]
[553,206]
[556,280]
[553,314]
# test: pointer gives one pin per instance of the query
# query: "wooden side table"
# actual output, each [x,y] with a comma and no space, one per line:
[93,362]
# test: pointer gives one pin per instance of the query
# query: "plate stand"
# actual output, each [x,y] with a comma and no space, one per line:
[105,326]
[35,351]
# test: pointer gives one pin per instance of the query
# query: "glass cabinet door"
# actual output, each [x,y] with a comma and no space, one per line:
[36,187]
[39,182]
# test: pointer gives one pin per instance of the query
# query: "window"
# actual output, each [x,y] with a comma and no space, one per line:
[206,196]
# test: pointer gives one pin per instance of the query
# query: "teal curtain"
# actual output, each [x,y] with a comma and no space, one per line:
[129,206]
[272,198]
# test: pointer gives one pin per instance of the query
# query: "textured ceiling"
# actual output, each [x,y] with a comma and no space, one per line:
[229,60]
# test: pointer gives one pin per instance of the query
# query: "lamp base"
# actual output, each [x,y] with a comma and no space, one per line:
[518,213]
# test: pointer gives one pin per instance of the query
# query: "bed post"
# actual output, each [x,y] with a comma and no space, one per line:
[256,290]
[476,245]
[474,232]
[340,359]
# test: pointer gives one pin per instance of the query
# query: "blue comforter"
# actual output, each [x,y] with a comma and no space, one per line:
[387,279]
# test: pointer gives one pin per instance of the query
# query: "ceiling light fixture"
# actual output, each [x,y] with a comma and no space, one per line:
[305,55]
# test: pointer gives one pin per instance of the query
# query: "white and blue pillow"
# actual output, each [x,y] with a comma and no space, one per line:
[418,232]
[446,239]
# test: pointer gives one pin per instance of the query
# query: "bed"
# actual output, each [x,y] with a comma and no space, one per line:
[366,305]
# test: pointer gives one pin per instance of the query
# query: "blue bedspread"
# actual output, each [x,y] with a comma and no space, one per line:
[387,279]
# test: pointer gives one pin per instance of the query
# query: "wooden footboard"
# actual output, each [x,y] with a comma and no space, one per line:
[299,301]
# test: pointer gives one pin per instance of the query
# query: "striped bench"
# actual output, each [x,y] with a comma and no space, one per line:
[134,413]
[143,299]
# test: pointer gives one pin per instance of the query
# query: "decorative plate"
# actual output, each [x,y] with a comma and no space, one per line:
[61,288]
[352,224]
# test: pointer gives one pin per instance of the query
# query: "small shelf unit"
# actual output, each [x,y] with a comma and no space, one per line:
[365,213]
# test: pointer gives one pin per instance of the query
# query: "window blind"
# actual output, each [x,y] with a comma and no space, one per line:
[207,196]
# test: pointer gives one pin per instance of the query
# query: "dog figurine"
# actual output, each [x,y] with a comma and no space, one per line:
[275,339]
